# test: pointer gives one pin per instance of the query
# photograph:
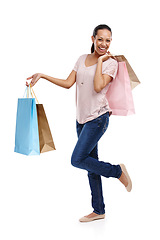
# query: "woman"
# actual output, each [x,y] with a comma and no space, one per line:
[93,74]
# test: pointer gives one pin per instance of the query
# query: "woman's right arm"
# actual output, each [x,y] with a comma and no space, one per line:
[59,82]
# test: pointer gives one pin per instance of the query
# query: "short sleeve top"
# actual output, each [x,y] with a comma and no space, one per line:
[89,103]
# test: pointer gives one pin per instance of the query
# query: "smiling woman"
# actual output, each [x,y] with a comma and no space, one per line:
[96,35]
[101,42]
[92,74]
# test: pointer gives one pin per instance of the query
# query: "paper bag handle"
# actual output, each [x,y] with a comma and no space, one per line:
[33,93]
[30,91]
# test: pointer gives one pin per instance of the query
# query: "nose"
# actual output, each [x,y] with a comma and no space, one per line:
[103,44]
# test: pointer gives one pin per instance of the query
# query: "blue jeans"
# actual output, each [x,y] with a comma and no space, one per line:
[85,156]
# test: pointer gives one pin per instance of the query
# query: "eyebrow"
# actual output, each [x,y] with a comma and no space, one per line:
[106,38]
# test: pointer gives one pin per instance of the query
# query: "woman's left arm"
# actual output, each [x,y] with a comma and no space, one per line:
[101,80]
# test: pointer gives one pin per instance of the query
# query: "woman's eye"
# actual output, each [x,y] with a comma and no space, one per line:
[100,39]
[108,40]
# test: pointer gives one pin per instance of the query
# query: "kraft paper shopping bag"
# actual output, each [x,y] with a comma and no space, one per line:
[134,81]
[45,136]
[26,135]
[119,94]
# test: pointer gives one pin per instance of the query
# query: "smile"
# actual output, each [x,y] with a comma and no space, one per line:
[102,49]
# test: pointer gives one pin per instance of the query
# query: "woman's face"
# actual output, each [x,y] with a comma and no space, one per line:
[102,41]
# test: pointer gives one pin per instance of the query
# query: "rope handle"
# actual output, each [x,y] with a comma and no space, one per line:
[31,92]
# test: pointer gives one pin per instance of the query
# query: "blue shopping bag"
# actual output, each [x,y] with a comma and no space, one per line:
[26,135]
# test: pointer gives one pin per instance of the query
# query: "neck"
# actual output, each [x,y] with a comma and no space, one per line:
[95,54]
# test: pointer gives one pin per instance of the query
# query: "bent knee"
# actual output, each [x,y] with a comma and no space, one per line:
[75,161]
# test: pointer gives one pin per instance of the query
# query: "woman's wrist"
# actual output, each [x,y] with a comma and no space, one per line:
[100,60]
[104,58]
[42,75]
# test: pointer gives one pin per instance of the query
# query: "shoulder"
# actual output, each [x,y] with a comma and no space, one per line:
[82,56]
[79,62]
[82,59]
[110,62]
[110,67]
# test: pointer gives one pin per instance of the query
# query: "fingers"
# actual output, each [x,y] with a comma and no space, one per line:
[27,84]
[30,77]
[112,56]
[34,78]
[31,84]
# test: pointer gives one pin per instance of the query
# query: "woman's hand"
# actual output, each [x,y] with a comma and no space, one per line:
[34,78]
[106,57]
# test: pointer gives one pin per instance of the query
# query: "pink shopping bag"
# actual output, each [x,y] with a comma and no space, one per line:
[119,94]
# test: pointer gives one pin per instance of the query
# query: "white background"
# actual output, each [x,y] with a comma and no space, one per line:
[42,197]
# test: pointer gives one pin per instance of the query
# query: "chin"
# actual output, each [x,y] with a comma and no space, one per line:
[101,53]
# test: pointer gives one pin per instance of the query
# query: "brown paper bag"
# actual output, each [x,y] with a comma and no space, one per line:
[133,78]
[45,137]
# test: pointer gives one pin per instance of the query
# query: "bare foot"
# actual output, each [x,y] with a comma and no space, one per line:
[123,179]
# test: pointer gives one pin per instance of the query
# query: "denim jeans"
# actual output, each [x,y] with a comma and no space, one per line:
[85,156]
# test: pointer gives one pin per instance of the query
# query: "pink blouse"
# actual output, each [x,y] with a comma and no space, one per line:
[89,103]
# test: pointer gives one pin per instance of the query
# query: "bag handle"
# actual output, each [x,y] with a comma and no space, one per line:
[33,93]
[30,91]
[27,92]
